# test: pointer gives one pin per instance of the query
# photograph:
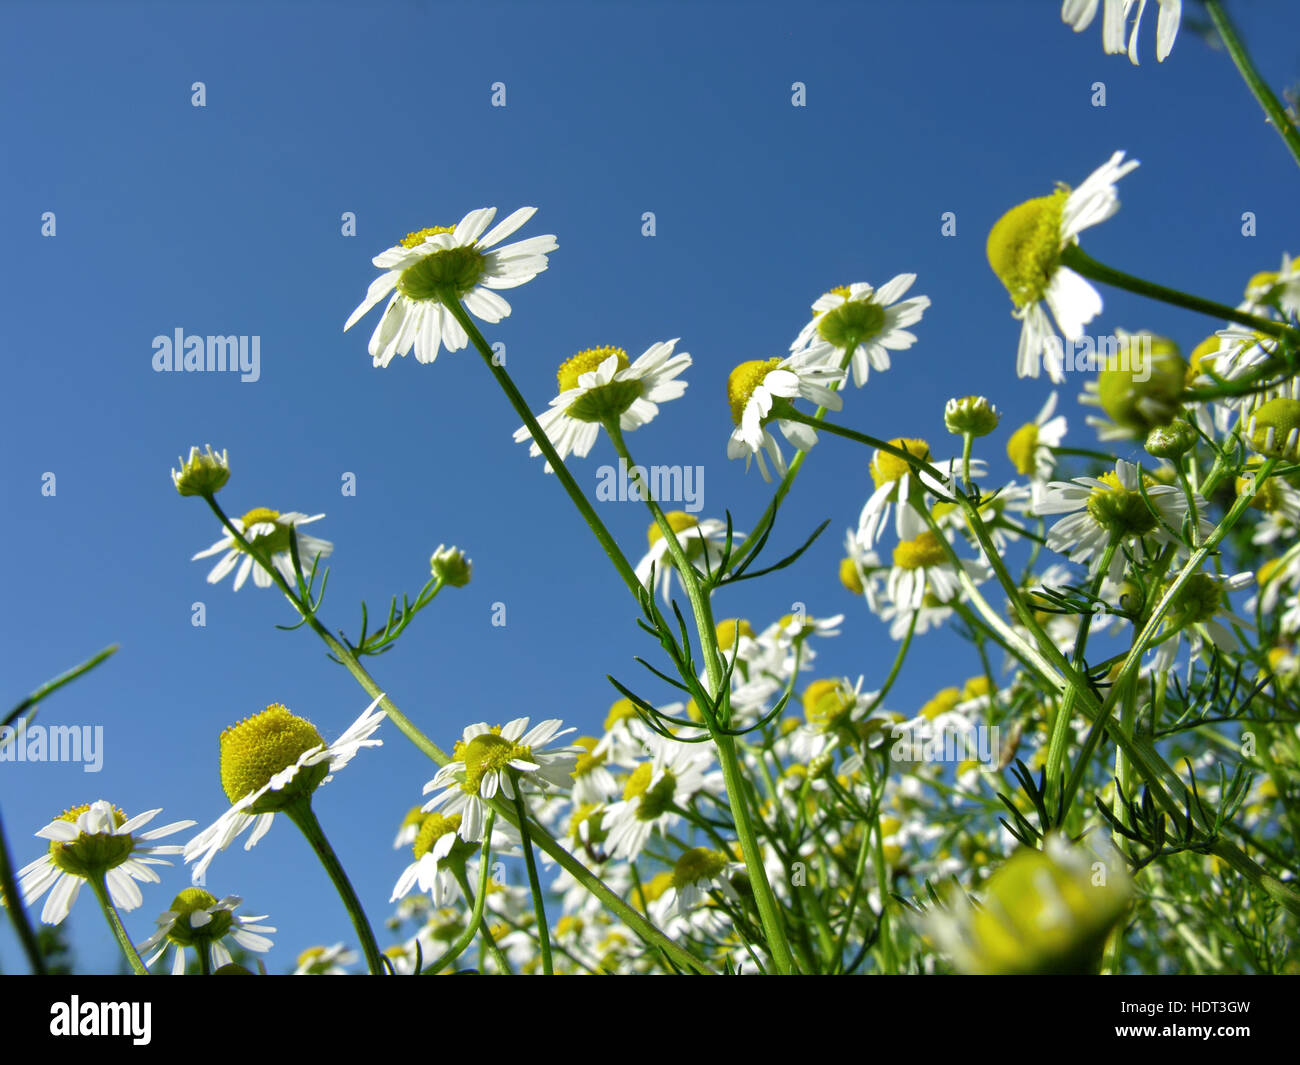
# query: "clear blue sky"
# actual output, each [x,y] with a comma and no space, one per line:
[226,220]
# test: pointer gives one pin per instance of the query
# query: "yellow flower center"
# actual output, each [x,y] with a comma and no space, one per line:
[448,271]
[191,901]
[414,240]
[434,828]
[1275,428]
[485,753]
[590,761]
[1143,395]
[742,382]
[1120,511]
[654,800]
[678,520]
[850,576]
[259,747]
[921,553]
[621,710]
[1021,448]
[698,864]
[727,630]
[91,855]
[944,701]
[1024,246]
[886,468]
[584,362]
[828,703]
[271,543]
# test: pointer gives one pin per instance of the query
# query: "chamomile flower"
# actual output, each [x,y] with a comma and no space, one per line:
[759,392]
[697,872]
[92,843]
[200,921]
[325,961]
[599,385]
[894,479]
[867,322]
[442,263]
[702,541]
[269,762]
[1198,612]
[438,850]
[268,533]
[651,792]
[202,474]
[923,575]
[1275,290]
[484,762]
[1078,14]
[1030,446]
[1024,249]
[1109,508]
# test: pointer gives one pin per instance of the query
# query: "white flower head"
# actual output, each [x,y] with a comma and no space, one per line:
[87,843]
[257,790]
[487,758]
[760,391]
[441,263]
[268,532]
[599,384]
[702,541]
[864,322]
[1024,249]
[207,925]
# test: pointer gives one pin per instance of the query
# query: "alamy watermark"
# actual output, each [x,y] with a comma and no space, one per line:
[53,743]
[1087,354]
[208,354]
[663,484]
[924,742]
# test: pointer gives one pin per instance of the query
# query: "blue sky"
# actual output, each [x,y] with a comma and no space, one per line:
[225,219]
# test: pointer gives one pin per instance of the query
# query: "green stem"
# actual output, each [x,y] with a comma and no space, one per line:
[301,814]
[1258,87]
[115,923]
[17,913]
[204,950]
[534,884]
[476,914]
[1081,262]
[764,898]
[485,933]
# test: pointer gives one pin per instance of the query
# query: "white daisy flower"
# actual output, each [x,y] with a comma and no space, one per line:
[759,391]
[894,478]
[1111,506]
[203,473]
[1078,14]
[1024,249]
[868,322]
[257,790]
[702,541]
[325,961]
[199,920]
[89,842]
[1030,446]
[923,575]
[599,384]
[483,762]
[675,774]
[438,852]
[268,532]
[1196,612]
[1275,290]
[697,872]
[442,263]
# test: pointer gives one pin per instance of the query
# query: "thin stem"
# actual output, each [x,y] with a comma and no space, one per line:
[476,914]
[115,923]
[1258,87]
[17,912]
[534,885]
[485,933]
[300,813]
[764,898]
[1081,262]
